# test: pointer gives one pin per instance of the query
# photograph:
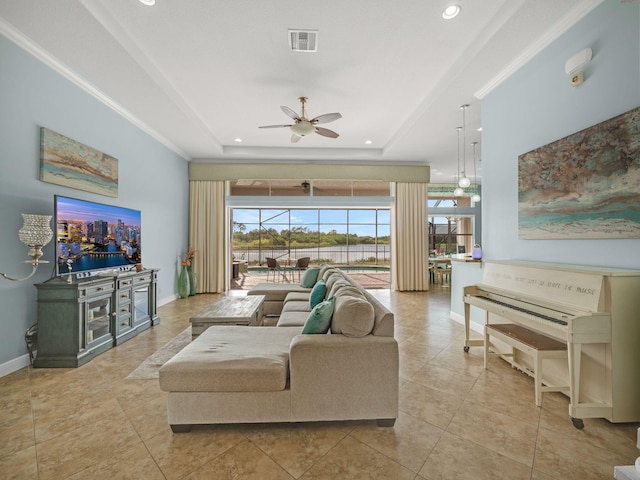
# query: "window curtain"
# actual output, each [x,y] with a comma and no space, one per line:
[207,234]
[409,247]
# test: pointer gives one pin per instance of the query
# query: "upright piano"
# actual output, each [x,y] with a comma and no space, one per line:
[596,311]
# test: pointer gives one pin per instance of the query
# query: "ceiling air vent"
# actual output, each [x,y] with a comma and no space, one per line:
[303,40]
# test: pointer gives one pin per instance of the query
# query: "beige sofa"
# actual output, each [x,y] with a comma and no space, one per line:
[236,374]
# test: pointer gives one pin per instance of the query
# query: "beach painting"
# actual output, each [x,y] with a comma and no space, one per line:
[584,186]
[65,162]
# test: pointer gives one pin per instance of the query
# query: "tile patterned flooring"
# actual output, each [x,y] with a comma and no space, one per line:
[457,420]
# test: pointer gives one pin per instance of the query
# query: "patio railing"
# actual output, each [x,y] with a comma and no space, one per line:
[343,254]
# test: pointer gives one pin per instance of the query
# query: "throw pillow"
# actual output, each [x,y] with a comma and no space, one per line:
[310,277]
[352,317]
[318,292]
[319,320]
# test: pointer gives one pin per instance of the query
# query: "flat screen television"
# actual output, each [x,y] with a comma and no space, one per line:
[94,238]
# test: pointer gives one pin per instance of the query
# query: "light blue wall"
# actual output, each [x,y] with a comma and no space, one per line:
[152,179]
[536,106]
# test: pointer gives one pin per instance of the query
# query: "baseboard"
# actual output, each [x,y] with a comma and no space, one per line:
[168,299]
[14,365]
[476,327]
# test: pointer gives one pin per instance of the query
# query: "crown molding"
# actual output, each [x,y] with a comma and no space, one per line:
[59,67]
[549,37]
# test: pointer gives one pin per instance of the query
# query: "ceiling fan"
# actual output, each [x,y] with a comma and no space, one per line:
[302,126]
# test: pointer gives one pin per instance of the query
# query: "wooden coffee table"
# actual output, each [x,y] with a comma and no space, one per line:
[229,311]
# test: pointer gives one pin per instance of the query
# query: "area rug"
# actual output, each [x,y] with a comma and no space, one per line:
[148,369]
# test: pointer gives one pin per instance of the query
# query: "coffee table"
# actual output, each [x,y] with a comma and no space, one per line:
[229,311]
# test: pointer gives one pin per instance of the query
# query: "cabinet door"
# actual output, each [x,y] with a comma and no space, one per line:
[97,324]
[141,304]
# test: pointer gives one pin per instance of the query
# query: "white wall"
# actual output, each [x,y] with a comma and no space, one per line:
[152,179]
[536,106]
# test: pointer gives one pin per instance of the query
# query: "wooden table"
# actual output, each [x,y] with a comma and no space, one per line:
[229,310]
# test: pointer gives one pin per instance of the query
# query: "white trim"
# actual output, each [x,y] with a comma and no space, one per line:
[14,365]
[549,37]
[166,300]
[476,327]
[59,67]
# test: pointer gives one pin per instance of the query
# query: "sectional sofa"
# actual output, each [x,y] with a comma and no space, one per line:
[282,373]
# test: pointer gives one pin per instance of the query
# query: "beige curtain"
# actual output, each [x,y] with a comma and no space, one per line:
[207,234]
[410,238]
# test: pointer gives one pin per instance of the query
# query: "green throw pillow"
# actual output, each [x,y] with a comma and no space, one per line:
[318,292]
[319,320]
[310,277]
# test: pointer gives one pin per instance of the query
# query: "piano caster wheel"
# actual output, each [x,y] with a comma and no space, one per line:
[578,423]
[466,349]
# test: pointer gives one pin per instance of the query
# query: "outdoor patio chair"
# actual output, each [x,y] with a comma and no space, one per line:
[301,264]
[273,266]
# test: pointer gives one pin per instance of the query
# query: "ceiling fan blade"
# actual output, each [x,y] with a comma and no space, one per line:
[325,132]
[274,126]
[295,138]
[290,113]
[326,118]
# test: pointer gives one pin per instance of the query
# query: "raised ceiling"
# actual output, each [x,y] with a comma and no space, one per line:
[199,74]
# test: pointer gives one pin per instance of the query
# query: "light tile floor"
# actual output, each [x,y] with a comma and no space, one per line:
[457,420]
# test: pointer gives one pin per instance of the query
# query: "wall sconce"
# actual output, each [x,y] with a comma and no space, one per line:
[35,233]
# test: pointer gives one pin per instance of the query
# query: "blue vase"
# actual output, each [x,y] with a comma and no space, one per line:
[193,280]
[183,283]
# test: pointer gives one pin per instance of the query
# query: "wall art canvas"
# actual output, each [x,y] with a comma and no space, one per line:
[584,186]
[64,161]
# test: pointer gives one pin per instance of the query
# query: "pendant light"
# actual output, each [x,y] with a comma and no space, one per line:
[458,192]
[464,181]
[476,196]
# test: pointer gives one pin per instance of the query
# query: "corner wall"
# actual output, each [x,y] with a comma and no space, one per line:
[152,179]
[536,106]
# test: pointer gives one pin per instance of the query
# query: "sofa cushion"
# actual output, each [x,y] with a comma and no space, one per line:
[296,306]
[317,293]
[352,316]
[323,268]
[310,277]
[293,318]
[350,290]
[319,320]
[330,271]
[332,278]
[231,359]
[336,285]
[297,297]
[274,292]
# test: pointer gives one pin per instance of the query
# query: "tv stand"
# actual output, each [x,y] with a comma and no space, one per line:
[84,317]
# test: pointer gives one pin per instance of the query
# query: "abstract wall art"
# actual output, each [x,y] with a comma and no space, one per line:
[65,162]
[583,186]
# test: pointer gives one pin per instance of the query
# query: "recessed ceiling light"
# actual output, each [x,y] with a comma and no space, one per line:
[480,129]
[451,11]
[238,140]
[368,142]
[149,3]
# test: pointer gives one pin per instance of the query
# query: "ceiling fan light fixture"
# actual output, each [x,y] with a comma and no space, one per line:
[452,11]
[302,129]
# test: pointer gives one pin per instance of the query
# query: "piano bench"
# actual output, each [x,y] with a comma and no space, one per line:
[539,346]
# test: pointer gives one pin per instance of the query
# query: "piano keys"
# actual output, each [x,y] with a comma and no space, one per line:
[596,311]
